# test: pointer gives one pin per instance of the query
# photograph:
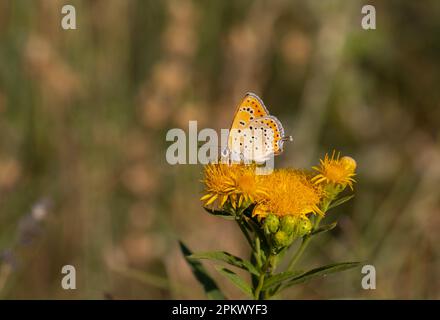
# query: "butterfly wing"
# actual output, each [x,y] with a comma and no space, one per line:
[258,141]
[255,135]
[250,108]
[267,136]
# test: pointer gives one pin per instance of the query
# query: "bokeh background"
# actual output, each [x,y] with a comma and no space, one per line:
[84,113]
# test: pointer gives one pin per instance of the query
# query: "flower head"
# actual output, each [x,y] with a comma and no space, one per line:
[282,239]
[335,170]
[237,183]
[272,223]
[296,226]
[291,193]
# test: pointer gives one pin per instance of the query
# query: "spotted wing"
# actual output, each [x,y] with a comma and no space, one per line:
[258,141]
[268,134]
[250,108]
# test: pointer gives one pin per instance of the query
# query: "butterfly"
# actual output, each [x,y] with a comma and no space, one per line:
[255,135]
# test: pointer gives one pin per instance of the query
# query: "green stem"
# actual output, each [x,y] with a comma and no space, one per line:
[260,286]
[257,252]
[272,265]
[303,246]
[262,277]
[306,239]
[246,234]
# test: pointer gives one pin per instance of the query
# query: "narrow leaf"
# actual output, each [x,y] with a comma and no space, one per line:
[219,213]
[321,271]
[236,280]
[324,228]
[280,277]
[209,285]
[228,258]
[340,201]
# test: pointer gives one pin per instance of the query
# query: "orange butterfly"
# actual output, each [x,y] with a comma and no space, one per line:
[254,135]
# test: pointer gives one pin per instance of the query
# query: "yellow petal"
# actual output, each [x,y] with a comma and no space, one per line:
[206,196]
[213,198]
[225,197]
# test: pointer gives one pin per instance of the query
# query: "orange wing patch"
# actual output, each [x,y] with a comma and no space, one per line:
[250,108]
[254,134]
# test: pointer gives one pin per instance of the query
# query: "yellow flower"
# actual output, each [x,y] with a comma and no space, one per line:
[336,171]
[291,193]
[236,182]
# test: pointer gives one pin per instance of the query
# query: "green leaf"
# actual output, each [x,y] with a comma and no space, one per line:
[209,285]
[324,228]
[219,213]
[236,280]
[279,278]
[228,258]
[321,271]
[340,201]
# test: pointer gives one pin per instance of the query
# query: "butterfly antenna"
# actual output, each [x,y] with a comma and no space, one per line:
[287,138]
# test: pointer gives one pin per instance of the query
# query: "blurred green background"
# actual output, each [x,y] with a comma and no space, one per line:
[84,113]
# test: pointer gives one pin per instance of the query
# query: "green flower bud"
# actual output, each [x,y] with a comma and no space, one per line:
[281,239]
[303,227]
[288,224]
[332,190]
[272,222]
